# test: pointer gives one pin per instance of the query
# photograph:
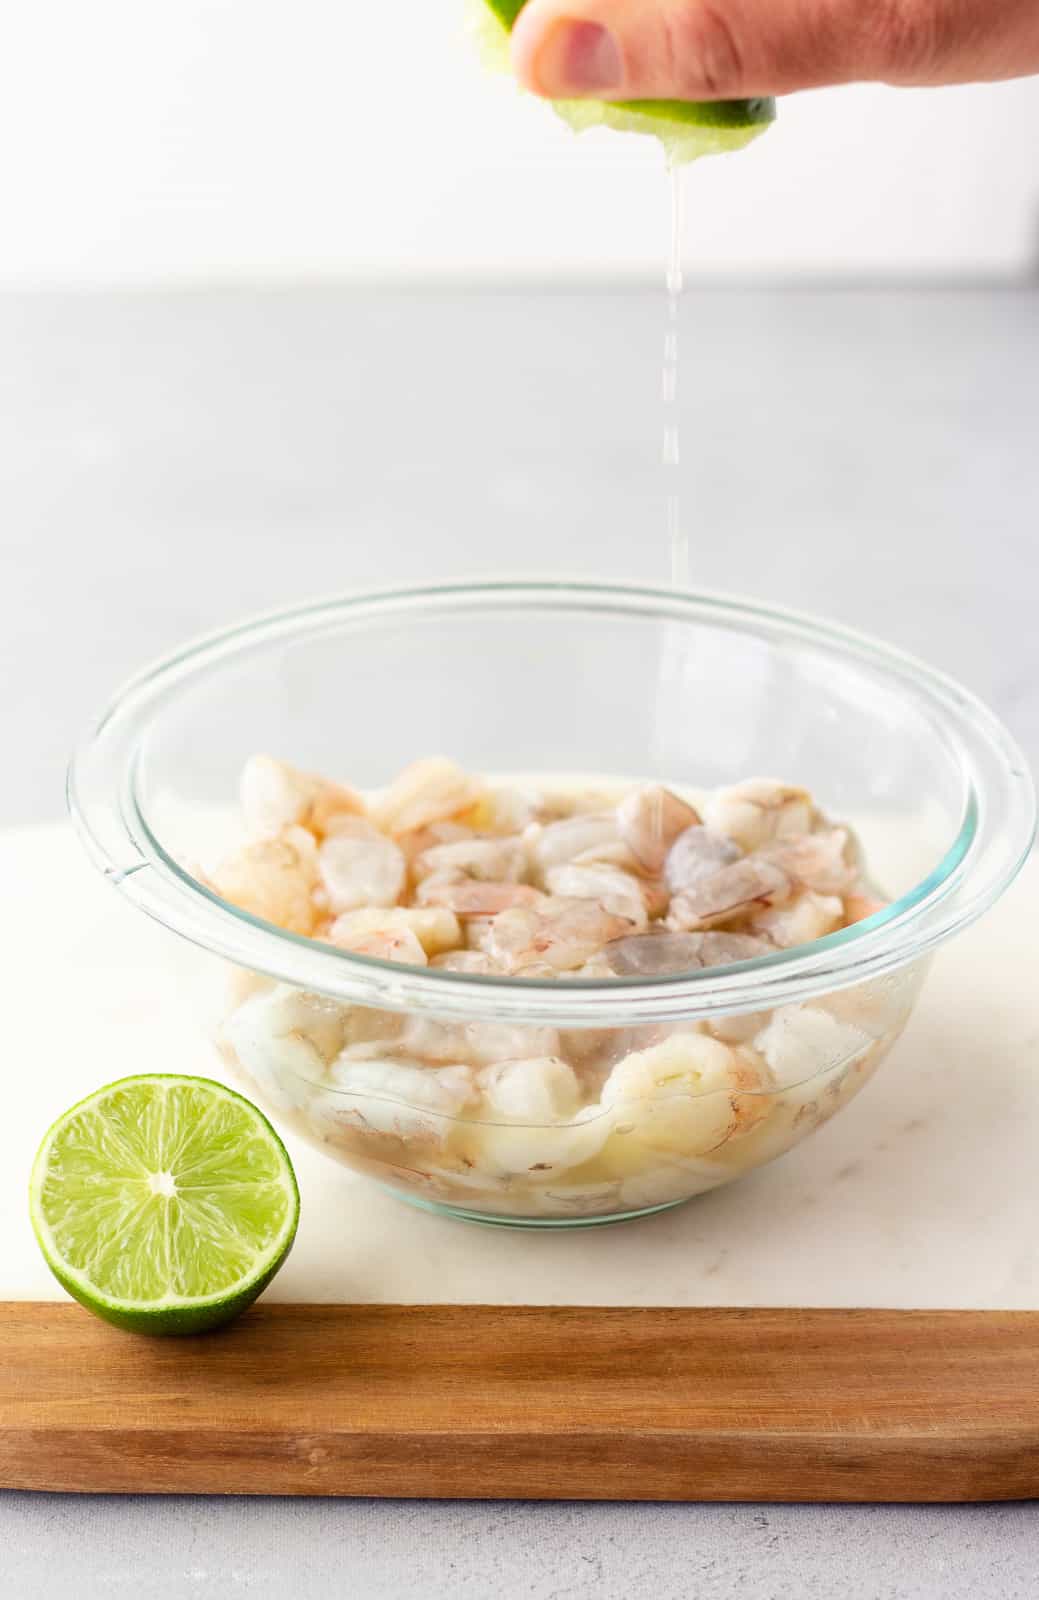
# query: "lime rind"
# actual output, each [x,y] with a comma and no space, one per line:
[683,139]
[506,11]
[153,1262]
[687,129]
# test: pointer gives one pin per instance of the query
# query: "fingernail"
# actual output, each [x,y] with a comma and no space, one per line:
[579,58]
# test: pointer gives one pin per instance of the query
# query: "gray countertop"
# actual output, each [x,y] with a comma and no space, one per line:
[168,462]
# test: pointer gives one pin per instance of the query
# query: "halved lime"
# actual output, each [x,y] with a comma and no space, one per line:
[686,128]
[165,1204]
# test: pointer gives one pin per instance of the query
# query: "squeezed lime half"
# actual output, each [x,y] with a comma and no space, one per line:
[164,1204]
[686,128]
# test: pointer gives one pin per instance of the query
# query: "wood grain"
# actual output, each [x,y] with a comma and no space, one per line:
[538,1403]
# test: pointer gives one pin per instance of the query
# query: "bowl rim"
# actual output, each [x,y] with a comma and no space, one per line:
[994,837]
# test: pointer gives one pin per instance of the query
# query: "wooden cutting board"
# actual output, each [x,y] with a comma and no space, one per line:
[492,1402]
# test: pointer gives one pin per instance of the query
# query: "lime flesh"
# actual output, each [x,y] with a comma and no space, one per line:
[686,128]
[164,1204]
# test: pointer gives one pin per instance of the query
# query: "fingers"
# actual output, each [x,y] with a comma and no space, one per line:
[730,49]
[687,49]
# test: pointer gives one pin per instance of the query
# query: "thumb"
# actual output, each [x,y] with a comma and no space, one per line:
[731,49]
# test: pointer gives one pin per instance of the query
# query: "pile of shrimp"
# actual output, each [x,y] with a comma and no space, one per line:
[447,870]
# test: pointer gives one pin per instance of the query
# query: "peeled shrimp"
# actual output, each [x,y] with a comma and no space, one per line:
[537,1090]
[650,820]
[530,1125]
[416,841]
[283,1039]
[686,1095]
[656,954]
[810,916]
[732,892]
[397,1097]
[615,891]
[800,1041]
[857,907]
[488,1042]
[360,867]
[508,811]
[761,811]
[435,929]
[561,842]
[696,855]
[304,1030]
[384,944]
[367,1023]
[274,795]
[471,961]
[559,934]
[468,898]
[823,861]
[426,792]
[487,860]
[274,879]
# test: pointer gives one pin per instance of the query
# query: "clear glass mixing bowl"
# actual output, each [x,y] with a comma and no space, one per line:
[553,678]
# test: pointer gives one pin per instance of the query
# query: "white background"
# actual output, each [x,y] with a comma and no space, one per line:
[254,139]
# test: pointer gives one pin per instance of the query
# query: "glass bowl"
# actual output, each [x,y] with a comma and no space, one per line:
[694,1079]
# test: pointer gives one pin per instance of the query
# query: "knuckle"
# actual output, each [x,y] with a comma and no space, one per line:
[913,37]
[704,52]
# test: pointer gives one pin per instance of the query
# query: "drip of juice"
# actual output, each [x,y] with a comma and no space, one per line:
[678,543]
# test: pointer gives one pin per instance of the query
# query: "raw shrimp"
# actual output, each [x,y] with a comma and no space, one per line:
[427,791]
[616,891]
[468,961]
[274,879]
[823,861]
[384,944]
[508,811]
[402,1098]
[283,1039]
[761,811]
[303,1031]
[488,1042]
[534,1152]
[696,855]
[538,1090]
[810,916]
[560,842]
[468,898]
[686,1095]
[739,1027]
[435,928]
[360,867]
[416,841]
[729,893]
[367,1023]
[651,955]
[650,820]
[530,1122]
[857,907]
[487,860]
[559,934]
[800,1041]
[274,796]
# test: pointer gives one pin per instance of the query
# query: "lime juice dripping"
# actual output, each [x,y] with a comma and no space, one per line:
[678,541]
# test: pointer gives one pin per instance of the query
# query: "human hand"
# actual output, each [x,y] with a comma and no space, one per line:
[732,49]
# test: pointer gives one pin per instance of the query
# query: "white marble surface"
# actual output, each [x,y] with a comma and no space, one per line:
[167,462]
[923,1192]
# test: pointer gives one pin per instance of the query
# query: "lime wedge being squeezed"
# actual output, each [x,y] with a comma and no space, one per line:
[686,128]
[164,1204]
